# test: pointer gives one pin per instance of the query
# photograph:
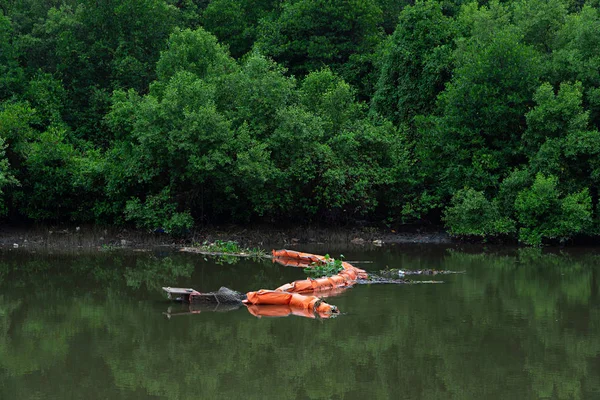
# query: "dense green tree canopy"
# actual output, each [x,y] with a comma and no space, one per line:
[235,22]
[416,62]
[309,35]
[169,113]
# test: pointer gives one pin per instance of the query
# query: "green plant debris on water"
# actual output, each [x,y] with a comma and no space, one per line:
[401,273]
[108,247]
[332,266]
[221,246]
[227,252]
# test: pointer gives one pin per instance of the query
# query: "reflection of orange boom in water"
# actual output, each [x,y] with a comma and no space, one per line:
[280,311]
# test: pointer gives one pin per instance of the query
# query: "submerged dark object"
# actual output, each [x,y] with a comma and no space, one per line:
[222,296]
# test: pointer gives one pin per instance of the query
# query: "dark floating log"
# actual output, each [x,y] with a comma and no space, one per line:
[221,296]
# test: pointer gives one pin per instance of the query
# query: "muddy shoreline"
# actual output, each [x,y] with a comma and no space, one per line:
[100,237]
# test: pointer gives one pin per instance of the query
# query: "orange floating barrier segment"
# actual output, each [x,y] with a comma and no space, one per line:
[293,300]
[292,262]
[300,286]
[314,285]
[349,274]
[272,297]
[361,273]
[307,302]
[309,258]
[330,292]
[293,258]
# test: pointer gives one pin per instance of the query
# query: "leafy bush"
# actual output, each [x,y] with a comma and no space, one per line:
[158,213]
[510,188]
[194,51]
[6,178]
[471,214]
[543,214]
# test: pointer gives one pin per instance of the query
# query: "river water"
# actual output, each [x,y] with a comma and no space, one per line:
[518,324]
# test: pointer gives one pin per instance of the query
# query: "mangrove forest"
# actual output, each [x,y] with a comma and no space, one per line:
[479,116]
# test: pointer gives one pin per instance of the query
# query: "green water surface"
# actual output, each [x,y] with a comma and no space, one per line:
[519,324]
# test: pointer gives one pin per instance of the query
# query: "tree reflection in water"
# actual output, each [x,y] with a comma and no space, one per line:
[518,324]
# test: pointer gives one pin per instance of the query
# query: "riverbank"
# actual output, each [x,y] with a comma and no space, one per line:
[93,236]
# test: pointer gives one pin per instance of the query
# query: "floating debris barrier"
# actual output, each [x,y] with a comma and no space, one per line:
[299,297]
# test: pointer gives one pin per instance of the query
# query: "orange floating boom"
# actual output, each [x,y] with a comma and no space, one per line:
[288,297]
[309,258]
[293,300]
[345,278]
